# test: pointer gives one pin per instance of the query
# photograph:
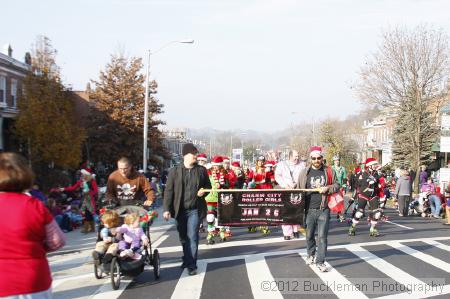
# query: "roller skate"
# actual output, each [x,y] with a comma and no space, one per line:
[252,229]
[228,233]
[352,230]
[222,235]
[340,218]
[265,230]
[210,241]
[374,232]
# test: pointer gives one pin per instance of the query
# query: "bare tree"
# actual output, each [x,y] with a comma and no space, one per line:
[408,75]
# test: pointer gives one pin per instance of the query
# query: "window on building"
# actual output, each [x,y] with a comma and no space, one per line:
[14,92]
[2,89]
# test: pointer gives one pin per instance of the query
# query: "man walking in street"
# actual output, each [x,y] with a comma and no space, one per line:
[286,175]
[126,186]
[320,177]
[184,200]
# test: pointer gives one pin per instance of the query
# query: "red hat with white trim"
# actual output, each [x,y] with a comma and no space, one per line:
[315,151]
[202,157]
[226,159]
[87,172]
[269,164]
[371,161]
[217,161]
[236,164]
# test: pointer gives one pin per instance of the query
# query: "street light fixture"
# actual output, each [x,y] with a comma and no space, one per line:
[145,154]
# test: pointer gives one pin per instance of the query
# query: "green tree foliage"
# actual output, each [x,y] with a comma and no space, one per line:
[117,117]
[46,122]
[335,142]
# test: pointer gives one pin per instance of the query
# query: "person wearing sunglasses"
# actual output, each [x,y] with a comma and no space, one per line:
[323,179]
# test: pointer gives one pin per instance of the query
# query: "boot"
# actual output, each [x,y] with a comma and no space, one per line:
[91,227]
[296,235]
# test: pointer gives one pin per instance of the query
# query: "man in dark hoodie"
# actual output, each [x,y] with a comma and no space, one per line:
[323,179]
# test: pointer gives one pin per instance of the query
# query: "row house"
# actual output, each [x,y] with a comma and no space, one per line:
[12,74]
[377,141]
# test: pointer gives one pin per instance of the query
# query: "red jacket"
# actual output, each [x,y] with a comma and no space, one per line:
[24,267]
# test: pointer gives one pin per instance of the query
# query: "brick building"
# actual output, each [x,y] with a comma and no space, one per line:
[12,73]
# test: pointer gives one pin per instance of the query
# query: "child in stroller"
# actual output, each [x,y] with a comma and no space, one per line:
[133,234]
[133,261]
[108,245]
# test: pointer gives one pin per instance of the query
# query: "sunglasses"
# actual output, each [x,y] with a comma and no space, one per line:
[316,158]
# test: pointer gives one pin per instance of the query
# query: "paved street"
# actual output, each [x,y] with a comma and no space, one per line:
[410,251]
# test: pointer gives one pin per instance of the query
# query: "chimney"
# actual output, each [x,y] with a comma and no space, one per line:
[7,50]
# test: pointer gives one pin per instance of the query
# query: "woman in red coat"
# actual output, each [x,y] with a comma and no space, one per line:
[28,233]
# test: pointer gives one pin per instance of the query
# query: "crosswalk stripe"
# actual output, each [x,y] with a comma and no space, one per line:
[106,291]
[258,273]
[333,277]
[440,264]
[437,244]
[383,266]
[231,243]
[190,286]
[402,226]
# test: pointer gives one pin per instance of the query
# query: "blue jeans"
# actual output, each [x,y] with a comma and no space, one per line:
[188,224]
[435,204]
[317,220]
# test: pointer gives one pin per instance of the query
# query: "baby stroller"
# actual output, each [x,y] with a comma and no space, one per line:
[121,266]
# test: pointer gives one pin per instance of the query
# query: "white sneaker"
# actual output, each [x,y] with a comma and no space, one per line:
[322,267]
[310,260]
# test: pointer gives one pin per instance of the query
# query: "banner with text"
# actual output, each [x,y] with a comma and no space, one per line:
[244,208]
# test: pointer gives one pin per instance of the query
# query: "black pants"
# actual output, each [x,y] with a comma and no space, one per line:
[403,204]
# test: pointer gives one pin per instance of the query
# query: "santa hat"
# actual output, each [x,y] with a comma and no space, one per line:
[226,159]
[202,157]
[357,169]
[269,164]
[371,161]
[87,171]
[236,164]
[217,161]
[315,151]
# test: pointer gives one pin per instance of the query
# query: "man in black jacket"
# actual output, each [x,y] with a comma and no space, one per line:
[184,200]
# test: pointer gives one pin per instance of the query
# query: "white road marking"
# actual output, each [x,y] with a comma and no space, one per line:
[403,226]
[333,277]
[440,264]
[190,286]
[437,244]
[106,291]
[258,273]
[230,244]
[383,266]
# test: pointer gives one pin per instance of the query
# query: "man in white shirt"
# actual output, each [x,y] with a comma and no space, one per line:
[286,175]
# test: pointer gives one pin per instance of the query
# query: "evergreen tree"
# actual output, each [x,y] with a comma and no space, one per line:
[117,117]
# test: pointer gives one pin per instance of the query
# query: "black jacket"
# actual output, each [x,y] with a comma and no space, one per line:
[174,193]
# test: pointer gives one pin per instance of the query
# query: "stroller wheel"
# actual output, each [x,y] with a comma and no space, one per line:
[115,273]
[156,264]
[97,270]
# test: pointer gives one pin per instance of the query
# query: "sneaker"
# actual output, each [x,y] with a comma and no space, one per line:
[322,267]
[287,238]
[310,260]
[437,216]
[192,272]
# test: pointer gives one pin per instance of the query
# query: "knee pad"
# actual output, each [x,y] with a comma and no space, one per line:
[377,214]
[382,202]
[359,214]
[210,218]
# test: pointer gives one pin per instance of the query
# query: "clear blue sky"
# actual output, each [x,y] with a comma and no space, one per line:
[259,60]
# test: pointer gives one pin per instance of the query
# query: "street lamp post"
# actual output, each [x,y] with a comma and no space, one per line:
[147,81]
